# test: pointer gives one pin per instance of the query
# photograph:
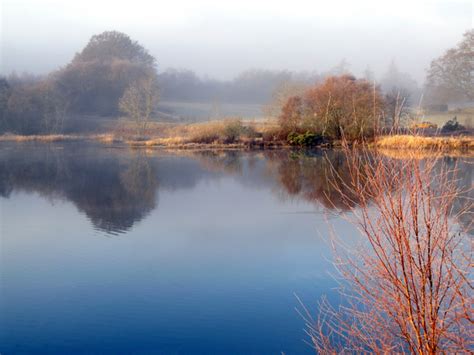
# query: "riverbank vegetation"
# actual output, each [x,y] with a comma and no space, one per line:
[236,133]
[422,142]
[406,279]
[114,76]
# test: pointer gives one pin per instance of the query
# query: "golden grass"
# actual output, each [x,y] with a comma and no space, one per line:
[228,132]
[46,138]
[250,134]
[420,154]
[107,138]
[420,142]
[40,138]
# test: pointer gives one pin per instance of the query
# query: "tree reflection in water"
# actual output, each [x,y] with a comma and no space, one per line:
[117,188]
[112,191]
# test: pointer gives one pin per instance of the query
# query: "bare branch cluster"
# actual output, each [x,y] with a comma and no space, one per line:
[406,279]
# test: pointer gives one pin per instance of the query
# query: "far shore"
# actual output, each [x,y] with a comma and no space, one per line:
[406,142]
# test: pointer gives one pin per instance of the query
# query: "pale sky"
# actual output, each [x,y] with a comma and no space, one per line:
[222,38]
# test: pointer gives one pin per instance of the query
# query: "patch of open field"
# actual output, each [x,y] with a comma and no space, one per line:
[464,116]
[202,111]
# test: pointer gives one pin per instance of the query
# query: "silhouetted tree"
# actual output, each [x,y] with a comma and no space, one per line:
[112,45]
[369,74]
[397,102]
[97,77]
[450,77]
[33,108]
[5,91]
[395,80]
[138,102]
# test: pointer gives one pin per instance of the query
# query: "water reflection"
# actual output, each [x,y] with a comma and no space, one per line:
[117,188]
[310,176]
[214,247]
[114,194]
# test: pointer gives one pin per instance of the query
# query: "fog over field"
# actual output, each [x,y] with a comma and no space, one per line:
[220,39]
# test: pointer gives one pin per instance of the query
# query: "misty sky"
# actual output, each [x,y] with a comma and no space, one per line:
[222,38]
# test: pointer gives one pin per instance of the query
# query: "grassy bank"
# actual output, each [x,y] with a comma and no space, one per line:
[47,138]
[421,142]
[232,134]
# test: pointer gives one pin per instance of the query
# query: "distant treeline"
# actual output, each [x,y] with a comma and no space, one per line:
[112,66]
[258,86]
[250,87]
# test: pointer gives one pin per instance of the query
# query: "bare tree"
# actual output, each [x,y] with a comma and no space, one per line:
[5,91]
[138,102]
[450,77]
[406,280]
[396,108]
[55,106]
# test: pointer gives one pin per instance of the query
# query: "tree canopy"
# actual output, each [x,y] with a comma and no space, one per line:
[98,76]
[341,105]
[450,77]
[112,45]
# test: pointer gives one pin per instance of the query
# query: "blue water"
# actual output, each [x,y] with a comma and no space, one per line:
[118,251]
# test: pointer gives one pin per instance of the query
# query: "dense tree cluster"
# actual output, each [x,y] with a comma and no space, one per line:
[97,77]
[29,107]
[92,83]
[340,106]
[114,74]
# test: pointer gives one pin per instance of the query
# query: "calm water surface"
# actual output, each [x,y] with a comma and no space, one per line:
[115,251]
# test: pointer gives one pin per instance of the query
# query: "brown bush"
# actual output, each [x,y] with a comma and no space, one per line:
[341,106]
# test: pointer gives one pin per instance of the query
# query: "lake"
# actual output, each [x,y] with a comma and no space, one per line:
[107,250]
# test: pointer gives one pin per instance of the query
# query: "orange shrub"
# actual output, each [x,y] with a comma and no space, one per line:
[340,106]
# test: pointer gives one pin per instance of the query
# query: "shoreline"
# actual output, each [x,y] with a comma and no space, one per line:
[386,143]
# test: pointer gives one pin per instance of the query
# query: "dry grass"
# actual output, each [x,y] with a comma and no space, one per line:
[235,133]
[105,138]
[208,132]
[230,133]
[47,138]
[39,138]
[420,142]
[420,154]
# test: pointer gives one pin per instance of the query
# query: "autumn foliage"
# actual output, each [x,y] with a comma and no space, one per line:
[406,280]
[341,106]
